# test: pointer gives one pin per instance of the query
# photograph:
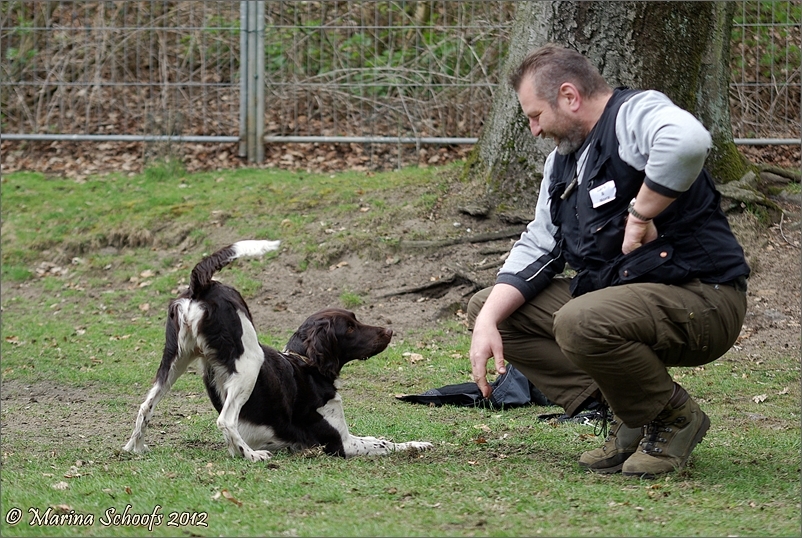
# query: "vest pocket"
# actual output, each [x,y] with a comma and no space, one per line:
[653,262]
[609,236]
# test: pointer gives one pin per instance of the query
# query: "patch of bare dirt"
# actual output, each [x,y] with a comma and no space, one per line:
[53,417]
[772,324]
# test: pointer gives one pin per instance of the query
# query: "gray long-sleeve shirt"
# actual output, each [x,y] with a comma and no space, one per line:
[666,142]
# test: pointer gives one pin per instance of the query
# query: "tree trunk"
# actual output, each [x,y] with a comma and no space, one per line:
[679,48]
[712,108]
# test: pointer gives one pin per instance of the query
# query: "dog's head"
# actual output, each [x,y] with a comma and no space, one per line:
[332,337]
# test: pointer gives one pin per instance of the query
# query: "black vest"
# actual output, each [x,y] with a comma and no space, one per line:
[695,240]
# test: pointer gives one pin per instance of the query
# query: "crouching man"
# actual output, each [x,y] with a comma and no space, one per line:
[660,278]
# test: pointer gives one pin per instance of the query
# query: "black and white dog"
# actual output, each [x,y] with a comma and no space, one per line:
[267,400]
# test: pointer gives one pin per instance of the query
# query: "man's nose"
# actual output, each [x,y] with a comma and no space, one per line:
[534,126]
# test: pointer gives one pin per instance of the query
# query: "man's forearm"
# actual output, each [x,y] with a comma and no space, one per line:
[648,203]
[502,301]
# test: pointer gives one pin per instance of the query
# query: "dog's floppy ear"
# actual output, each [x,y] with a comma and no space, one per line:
[321,346]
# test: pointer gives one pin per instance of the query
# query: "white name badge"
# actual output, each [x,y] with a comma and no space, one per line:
[602,194]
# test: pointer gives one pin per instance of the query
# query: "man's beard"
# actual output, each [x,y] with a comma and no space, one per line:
[571,135]
[571,140]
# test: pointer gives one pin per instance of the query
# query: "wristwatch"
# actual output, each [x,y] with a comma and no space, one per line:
[631,210]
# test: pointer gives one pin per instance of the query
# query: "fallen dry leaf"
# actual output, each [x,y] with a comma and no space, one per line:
[412,358]
[226,495]
[760,398]
[72,473]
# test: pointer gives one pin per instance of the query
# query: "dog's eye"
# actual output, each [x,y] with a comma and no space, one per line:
[350,329]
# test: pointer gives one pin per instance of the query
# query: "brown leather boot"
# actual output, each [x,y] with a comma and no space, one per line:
[620,444]
[670,438]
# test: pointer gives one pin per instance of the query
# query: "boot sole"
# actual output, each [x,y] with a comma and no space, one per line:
[605,470]
[696,440]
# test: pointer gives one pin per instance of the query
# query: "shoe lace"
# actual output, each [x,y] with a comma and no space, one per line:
[652,436]
[602,427]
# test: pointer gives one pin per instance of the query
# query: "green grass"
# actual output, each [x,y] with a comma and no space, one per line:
[78,352]
[120,211]
[351,300]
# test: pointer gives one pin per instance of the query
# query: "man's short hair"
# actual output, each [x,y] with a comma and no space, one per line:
[551,66]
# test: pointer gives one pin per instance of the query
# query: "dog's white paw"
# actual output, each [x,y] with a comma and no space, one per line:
[415,445]
[257,455]
[135,447]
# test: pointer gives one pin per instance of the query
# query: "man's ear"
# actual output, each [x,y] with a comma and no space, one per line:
[569,96]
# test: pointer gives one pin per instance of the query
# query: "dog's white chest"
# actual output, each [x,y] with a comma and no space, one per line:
[260,437]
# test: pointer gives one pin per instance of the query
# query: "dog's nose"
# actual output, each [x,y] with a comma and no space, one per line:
[388,332]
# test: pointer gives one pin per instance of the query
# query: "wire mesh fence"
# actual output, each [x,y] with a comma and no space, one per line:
[420,69]
[765,82]
[128,67]
[332,68]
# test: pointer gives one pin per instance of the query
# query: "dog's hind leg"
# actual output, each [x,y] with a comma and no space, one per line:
[175,361]
[238,388]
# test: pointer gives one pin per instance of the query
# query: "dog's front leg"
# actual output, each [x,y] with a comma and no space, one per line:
[238,390]
[334,414]
[371,446]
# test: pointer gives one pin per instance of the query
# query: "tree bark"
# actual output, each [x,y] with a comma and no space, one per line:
[712,108]
[679,48]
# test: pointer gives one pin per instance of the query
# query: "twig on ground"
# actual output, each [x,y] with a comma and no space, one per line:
[478,238]
[489,265]
[490,251]
[418,289]
[460,276]
[782,233]
[466,275]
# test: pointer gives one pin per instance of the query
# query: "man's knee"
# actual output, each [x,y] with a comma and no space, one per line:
[579,328]
[566,322]
[475,305]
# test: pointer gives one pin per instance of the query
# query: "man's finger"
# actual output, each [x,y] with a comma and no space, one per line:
[627,248]
[484,387]
[479,374]
[501,364]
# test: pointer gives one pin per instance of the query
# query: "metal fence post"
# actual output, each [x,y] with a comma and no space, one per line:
[260,81]
[252,86]
[243,77]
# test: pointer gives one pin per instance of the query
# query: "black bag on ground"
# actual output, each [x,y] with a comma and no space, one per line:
[511,389]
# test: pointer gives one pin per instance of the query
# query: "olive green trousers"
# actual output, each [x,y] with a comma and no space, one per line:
[617,342]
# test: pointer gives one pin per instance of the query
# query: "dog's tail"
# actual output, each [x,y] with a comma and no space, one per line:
[202,273]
